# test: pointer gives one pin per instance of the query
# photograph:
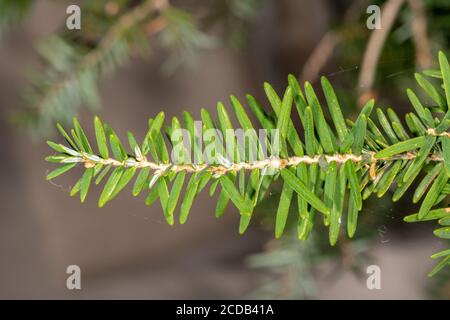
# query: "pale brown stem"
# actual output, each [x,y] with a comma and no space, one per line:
[375,46]
[419,34]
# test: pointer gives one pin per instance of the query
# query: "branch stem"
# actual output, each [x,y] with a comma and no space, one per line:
[272,163]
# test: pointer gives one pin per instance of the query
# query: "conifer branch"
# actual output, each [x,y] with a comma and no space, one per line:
[75,65]
[336,162]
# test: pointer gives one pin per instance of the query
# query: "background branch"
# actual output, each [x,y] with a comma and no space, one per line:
[419,34]
[374,47]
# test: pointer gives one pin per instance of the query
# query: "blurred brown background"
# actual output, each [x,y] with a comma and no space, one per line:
[126,250]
